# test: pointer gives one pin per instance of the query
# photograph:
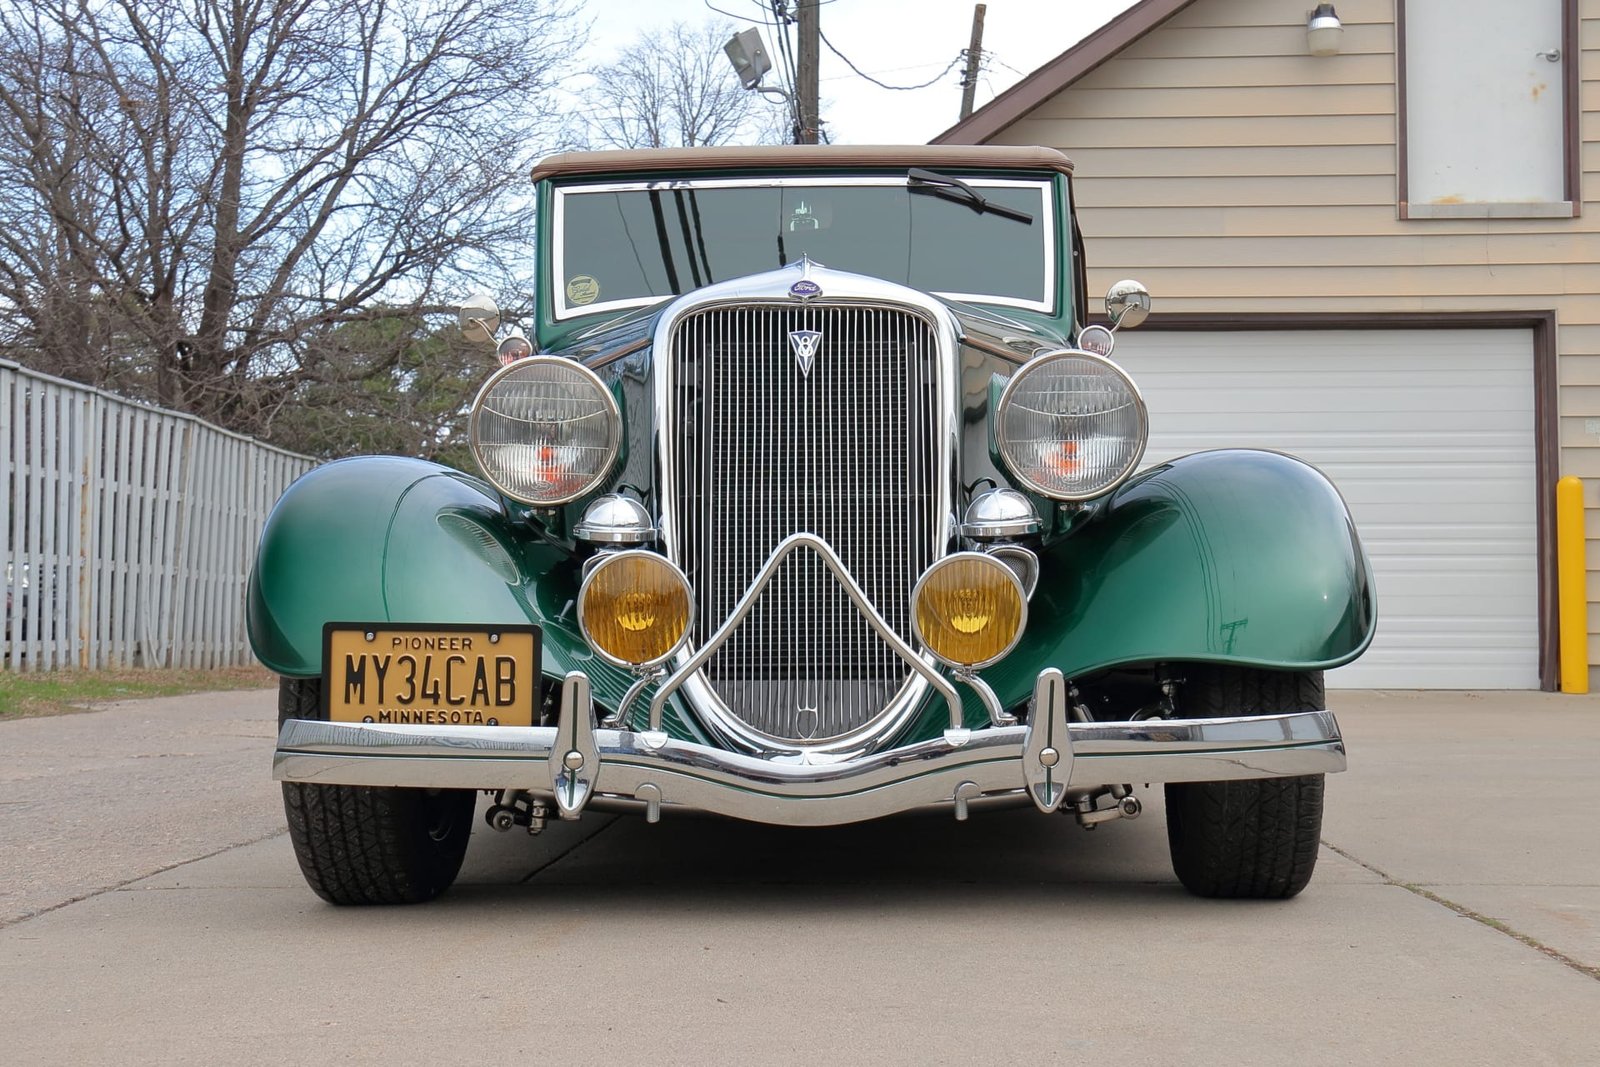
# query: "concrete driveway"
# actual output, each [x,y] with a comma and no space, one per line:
[153,913]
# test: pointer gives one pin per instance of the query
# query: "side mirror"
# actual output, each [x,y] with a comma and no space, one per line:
[479,318]
[1127,303]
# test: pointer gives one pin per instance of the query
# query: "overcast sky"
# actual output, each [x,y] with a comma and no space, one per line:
[901,43]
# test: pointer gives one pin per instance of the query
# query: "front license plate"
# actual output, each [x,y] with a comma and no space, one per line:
[442,675]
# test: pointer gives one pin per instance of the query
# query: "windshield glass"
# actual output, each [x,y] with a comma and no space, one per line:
[624,245]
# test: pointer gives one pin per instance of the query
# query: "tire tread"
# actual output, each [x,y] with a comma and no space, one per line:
[1256,838]
[365,844]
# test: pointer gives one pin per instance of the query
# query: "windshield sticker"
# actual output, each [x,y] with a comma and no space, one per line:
[582,289]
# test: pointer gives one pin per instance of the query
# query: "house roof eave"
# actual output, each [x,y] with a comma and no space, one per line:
[1061,71]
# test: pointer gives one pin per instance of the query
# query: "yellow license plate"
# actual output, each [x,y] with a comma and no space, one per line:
[442,675]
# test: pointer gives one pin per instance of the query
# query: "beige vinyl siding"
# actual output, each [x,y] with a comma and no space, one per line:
[1233,172]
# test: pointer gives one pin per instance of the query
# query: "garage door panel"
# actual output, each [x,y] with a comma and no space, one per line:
[1366,400]
[1384,502]
[1429,435]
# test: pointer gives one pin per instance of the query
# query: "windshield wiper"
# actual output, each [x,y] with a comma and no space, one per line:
[928,181]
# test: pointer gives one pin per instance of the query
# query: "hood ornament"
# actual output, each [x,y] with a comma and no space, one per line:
[804,288]
[804,345]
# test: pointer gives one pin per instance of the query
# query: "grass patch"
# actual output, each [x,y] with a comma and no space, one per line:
[63,692]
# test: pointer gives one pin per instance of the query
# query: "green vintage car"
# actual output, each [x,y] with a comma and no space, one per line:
[810,498]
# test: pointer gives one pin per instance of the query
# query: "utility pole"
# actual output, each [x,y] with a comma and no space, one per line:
[969,79]
[809,26]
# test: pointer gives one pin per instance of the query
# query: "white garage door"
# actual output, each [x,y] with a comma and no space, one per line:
[1429,434]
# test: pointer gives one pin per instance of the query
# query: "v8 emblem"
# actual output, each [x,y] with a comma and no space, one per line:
[804,345]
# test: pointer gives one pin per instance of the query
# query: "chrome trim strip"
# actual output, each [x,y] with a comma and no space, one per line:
[786,547]
[558,270]
[803,790]
[839,288]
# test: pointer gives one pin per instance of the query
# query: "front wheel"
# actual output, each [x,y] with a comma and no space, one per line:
[1256,838]
[369,845]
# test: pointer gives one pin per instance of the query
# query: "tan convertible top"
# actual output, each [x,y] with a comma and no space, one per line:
[569,164]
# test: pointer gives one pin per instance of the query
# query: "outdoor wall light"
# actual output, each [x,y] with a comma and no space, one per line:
[1323,31]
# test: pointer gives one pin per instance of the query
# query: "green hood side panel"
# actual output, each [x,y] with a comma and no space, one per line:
[1231,556]
[384,539]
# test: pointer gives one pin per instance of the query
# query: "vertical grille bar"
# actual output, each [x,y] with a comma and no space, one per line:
[847,452]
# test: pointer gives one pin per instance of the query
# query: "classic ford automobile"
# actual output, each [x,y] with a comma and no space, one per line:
[811,497]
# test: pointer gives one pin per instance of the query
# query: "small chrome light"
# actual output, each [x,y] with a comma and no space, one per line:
[969,609]
[634,608]
[513,348]
[615,520]
[1071,425]
[1097,339]
[545,430]
[999,514]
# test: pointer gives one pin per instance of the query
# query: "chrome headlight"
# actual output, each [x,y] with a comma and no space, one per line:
[1071,425]
[545,430]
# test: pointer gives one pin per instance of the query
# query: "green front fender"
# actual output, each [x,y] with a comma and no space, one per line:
[384,539]
[1230,556]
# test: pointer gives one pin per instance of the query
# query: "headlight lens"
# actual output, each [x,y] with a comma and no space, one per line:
[1071,425]
[634,608]
[545,430]
[969,609]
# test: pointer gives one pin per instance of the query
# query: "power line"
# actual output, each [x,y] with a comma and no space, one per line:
[890,70]
[1003,63]
[885,85]
[741,18]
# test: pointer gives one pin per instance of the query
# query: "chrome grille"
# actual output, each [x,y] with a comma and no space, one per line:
[847,452]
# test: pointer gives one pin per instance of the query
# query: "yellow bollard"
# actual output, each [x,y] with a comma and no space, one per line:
[1571,574]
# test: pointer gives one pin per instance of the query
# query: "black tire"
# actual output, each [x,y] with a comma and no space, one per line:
[368,845]
[1257,838]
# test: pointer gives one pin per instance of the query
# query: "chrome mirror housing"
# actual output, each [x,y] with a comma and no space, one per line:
[479,318]
[1127,303]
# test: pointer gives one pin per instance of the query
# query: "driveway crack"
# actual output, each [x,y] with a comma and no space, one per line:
[1468,913]
[137,878]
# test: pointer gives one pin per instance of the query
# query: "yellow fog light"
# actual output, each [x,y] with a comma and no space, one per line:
[969,609]
[634,608]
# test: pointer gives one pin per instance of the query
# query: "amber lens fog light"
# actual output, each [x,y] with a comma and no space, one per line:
[634,608]
[969,609]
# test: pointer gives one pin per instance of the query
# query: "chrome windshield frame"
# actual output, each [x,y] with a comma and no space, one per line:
[562,312]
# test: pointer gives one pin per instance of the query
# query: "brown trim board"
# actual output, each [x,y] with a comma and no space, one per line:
[1402,155]
[1571,110]
[1061,71]
[1546,429]
[1572,104]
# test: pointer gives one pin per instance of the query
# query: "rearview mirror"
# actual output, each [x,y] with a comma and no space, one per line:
[1127,303]
[479,318]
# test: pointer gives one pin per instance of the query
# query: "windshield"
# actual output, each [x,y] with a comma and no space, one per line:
[624,245]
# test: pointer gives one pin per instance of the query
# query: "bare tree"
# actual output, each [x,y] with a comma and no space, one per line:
[193,191]
[675,89]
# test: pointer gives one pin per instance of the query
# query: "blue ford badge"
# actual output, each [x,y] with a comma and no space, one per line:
[805,289]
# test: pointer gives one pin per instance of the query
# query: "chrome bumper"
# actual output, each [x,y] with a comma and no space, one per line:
[575,763]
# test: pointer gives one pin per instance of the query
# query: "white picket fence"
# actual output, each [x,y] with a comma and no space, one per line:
[128,531]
